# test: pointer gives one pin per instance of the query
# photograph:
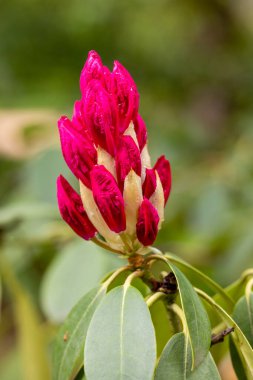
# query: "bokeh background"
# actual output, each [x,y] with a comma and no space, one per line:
[192,61]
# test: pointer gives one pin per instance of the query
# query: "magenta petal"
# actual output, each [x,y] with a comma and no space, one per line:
[127,96]
[141,131]
[78,119]
[127,158]
[79,153]
[100,116]
[72,211]
[108,81]
[149,185]
[162,166]
[93,69]
[147,223]
[108,198]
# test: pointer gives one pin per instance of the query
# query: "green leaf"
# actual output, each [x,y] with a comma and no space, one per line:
[120,343]
[176,362]
[243,316]
[241,342]
[235,291]
[80,266]
[199,279]
[162,324]
[69,343]
[198,324]
[136,283]
[236,361]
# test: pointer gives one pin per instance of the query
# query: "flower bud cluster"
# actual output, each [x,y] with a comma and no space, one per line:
[122,197]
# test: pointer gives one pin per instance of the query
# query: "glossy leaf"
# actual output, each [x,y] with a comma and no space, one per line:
[240,341]
[120,343]
[243,316]
[198,325]
[69,343]
[176,362]
[201,280]
[236,361]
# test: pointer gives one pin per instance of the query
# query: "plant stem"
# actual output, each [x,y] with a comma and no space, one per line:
[132,276]
[106,246]
[156,257]
[179,312]
[219,338]
[154,298]
[115,275]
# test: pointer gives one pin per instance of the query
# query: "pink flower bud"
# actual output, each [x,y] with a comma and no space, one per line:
[127,97]
[149,185]
[78,117]
[108,198]
[72,211]
[109,81]
[163,169]
[127,158]
[147,223]
[141,131]
[73,147]
[93,69]
[105,146]
[100,116]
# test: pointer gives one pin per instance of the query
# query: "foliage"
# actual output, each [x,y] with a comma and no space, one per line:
[121,339]
[190,59]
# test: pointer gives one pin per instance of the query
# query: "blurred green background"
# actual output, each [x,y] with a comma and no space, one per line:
[192,62]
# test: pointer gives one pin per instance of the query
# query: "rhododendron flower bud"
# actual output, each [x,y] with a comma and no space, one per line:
[72,211]
[149,184]
[105,145]
[147,223]
[74,145]
[93,69]
[162,166]
[108,198]
[128,157]
[126,94]
[100,116]
[141,131]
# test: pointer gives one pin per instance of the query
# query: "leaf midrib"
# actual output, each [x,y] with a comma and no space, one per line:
[121,329]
